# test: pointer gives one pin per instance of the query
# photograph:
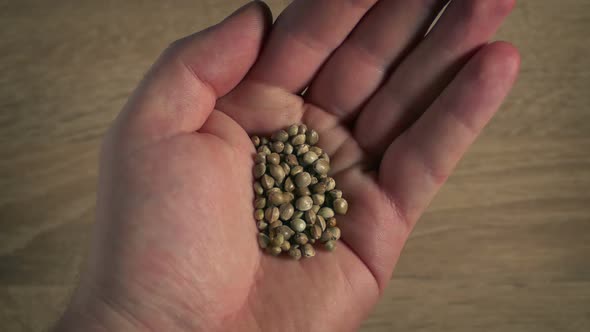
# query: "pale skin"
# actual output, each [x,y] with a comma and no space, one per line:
[175,241]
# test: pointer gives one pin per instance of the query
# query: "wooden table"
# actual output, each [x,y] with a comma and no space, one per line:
[504,247]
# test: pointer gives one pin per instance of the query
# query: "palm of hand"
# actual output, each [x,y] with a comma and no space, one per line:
[176,233]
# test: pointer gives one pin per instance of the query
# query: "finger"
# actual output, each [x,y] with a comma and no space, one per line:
[420,160]
[179,92]
[465,26]
[358,67]
[303,37]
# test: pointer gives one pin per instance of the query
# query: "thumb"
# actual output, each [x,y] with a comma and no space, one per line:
[180,90]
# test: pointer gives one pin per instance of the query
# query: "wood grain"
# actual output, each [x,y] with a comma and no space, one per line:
[505,246]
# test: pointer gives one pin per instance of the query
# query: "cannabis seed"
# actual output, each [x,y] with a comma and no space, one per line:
[260,203]
[295,253]
[301,238]
[302,180]
[259,170]
[273,158]
[281,136]
[340,206]
[318,199]
[298,140]
[304,203]
[267,181]
[277,240]
[330,245]
[286,211]
[326,212]
[308,250]
[298,225]
[293,130]
[259,214]
[312,137]
[255,141]
[260,158]
[277,146]
[263,240]
[321,166]
[271,214]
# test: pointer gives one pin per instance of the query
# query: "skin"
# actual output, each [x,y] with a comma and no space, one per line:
[175,242]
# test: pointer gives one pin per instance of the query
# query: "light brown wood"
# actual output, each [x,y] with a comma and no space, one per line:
[504,247]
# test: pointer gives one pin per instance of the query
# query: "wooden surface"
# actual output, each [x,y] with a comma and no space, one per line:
[505,246]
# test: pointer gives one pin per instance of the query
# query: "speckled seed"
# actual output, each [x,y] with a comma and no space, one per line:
[286,168]
[330,184]
[301,238]
[335,193]
[286,246]
[331,222]
[291,160]
[261,225]
[321,222]
[302,180]
[321,166]
[286,211]
[295,170]
[315,208]
[310,217]
[278,173]
[331,233]
[308,250]
[318,199]
[258,189]
[298,140]
[263,149]
[281,136]
[317,150]
[277,240]
[271,214]
[260,203]
[277,146]
[302,150]
[315,231]
[260,158]
[275,224]
[330,245]
[263,240]
[258,214]
[267,181]
[289,185]
[312,137]
[297,215]
[295,253]
[302,129]
[273,158]
[275,251]
[293,130]
[276,198]
[255,141]
[319,188]
[288,148]
[298,225]
[304,203]
[340,206]
[326,212]
[286,231]
[259,170]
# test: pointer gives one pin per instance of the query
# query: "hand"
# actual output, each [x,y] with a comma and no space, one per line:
[175,241]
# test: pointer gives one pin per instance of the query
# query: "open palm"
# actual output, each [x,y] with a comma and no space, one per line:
[175,243]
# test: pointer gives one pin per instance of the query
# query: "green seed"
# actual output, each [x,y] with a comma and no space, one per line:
[317,150]
[260,158]
[277,240]
[331,233]
[277,146]
[302,149]
[289,186]
[301,238]
[335,194]
[286,168]
[291,160]
[295,170]
[321,222]
[275,251]
[330,184]
[288,197]
[310,216]
[273,158]
[258,214]
[261,225]
[308,250]
[304,203]
[271,214]
[330,245]
[288,148]
[303,191]
[274,225]
[259,170]
[321,166]
[278,173]
[331,222]
[281,136]
[258,189]
[295,253]
[285,231]
[286,246]
[315,232]
[263,149]
[340,206]
[312,137]
[260,203]
[276,198]
[309,158]
[318,199]
[302,180]
[267,181]
[298,140]
[302,129]
[326,212]
[325,157]
[286,211]
[319,188]
[255,141]
[298,225]
[263,141]
[293,130]
[297,215]
[263,240]
[315,208]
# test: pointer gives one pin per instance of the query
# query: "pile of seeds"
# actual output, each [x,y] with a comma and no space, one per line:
[296,201]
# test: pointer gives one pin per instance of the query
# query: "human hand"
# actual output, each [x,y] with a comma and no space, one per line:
[175,241]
